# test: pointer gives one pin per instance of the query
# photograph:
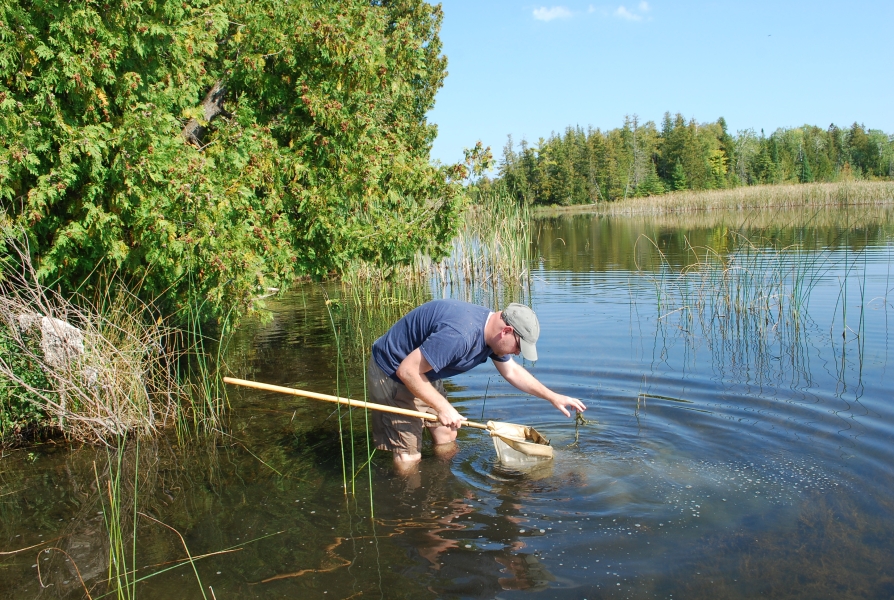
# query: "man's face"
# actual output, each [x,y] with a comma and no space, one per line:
[509,342]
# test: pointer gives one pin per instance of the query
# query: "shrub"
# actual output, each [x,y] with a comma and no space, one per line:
[210,149]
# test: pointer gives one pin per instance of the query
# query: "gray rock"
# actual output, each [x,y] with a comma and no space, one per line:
[60,342]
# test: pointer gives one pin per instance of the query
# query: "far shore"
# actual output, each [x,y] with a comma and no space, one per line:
[780,196]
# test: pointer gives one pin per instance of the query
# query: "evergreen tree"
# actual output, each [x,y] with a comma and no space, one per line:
[805,175]
[638,159]
[678,180]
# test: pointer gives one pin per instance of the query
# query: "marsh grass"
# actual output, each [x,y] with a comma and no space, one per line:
[748,279]
[748,303]
[111,493]
[827,217]
[770,197]
[111,375]
[97,369]
[347,426]
[200,363]
[492,249]
[342,426]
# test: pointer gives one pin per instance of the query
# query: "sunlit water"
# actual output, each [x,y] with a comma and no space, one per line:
[710,466]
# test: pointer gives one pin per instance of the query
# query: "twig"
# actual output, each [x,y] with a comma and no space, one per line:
[13,492]
[11,552]
[77,570]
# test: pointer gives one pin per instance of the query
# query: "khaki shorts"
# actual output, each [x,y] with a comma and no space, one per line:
[397,433]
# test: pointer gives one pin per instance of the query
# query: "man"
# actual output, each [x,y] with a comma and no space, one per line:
[439,339]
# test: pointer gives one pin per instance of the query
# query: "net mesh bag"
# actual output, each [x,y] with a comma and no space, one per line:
[519,445]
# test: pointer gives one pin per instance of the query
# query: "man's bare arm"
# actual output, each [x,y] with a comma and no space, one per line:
[519,377]
[412,372]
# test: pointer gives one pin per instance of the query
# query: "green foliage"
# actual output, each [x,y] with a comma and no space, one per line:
[582,167]
[321,155]
[19,408]
[678,179]
[805,174]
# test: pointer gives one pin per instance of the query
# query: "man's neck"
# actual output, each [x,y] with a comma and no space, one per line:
[493,326]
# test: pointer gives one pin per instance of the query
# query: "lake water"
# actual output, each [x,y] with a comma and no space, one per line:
[724,456]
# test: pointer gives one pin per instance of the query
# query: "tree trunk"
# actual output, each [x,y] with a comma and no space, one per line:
[212,106]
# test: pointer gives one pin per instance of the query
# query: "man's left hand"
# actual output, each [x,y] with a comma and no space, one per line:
[562,402]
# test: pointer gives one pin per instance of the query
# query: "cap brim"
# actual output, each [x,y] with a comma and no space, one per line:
[528,350]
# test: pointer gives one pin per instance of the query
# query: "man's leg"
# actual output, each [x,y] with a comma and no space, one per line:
[400,435]
[444,439]
[445,446]
[406,463]
[442,435]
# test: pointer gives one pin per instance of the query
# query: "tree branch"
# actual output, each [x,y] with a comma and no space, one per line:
[212,106]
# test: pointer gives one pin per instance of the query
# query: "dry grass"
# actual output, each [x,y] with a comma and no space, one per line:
[820,217]
[745,198]
[113,375]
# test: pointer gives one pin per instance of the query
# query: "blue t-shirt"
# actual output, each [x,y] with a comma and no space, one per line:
[449,333]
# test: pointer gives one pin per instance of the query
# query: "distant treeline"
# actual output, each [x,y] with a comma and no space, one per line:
[583,167]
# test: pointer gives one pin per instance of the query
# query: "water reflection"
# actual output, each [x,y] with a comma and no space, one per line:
[596,244]
[461,543]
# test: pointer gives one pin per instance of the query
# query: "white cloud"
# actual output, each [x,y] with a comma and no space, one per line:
[548,14]
[644,7]
[623,13]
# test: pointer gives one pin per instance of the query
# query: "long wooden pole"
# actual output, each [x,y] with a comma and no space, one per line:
[327,398]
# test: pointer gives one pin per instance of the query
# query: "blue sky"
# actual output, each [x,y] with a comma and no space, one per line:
[529,69]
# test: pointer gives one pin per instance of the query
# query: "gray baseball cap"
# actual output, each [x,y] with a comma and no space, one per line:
[523,320]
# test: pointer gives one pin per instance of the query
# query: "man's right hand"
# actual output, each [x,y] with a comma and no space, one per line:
[412,372]
[449,417]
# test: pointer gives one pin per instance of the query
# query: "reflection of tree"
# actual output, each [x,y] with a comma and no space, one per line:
[594,243]
[82,494]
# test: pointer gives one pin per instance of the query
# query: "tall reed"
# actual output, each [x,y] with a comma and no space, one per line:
[749,304]
[121,572]
[200,363]
[814,195]
[492,249]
